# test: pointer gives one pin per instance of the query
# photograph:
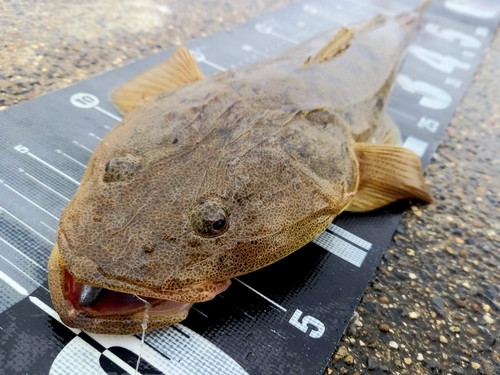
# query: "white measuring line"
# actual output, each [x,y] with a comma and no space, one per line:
[24,273]
[44,185]
[322,13]
[52,167]
[52,229]
[70,158]
[350,237]
[260,294]
[374,7]
[390,109]
[266,28]
[14,285]
[82,146]
[26,225]
[95,136]
[336,244]
[342,249]
[108,113]
[24,255]
[200,57]
[249,48]
[198,311]
[29,200]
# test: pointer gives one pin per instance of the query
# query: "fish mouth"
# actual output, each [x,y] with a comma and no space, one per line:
[98,301]
[96,309]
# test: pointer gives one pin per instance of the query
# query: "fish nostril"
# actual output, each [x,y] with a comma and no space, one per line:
[122,168]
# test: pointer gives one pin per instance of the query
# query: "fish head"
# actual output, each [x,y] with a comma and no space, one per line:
[172,223]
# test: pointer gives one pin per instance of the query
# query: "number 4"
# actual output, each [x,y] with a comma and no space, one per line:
[443,63]
[307,323]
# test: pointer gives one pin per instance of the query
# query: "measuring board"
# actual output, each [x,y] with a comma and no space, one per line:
[284,319]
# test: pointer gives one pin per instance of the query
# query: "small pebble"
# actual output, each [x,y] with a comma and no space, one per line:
[384,299]
[475,365]
[443,340]
[466,285]
[349,359]
[455,329]
[472,331]
[486,308]
[438,301]
[410,252]
[488,319]
[412,276]
[407,361]
[372,364]
[420,357]
[413,315]
[394,345]
[342,351]
[383,327]
[462,254]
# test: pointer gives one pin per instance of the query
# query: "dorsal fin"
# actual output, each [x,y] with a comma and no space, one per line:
[335,46]
[374,22]
[179,69]
[387,173]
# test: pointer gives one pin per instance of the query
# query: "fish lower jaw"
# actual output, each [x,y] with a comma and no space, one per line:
[115,312]
[112,303]
[119,324]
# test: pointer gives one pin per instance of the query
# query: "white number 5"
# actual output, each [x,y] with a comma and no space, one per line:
[451,35]
[470,10]
[307,322]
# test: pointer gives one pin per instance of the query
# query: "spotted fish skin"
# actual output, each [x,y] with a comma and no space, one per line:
[226,175]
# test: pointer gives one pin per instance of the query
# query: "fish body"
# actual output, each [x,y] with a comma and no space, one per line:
[227,174]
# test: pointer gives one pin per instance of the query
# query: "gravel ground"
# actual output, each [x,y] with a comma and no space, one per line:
[433,306]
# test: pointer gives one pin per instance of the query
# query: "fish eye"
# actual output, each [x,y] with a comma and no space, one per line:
[219,224]
[210,219]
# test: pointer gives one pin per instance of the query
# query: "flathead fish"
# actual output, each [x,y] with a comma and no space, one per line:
[209,178]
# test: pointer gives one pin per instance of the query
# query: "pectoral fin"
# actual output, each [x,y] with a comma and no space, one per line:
[179,69]
[387,173]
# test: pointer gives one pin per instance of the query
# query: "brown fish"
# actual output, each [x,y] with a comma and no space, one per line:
[210,178]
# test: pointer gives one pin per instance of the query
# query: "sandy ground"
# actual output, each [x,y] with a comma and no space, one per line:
[433,306]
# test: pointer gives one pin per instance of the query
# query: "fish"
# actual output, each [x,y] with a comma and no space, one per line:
[209,178]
